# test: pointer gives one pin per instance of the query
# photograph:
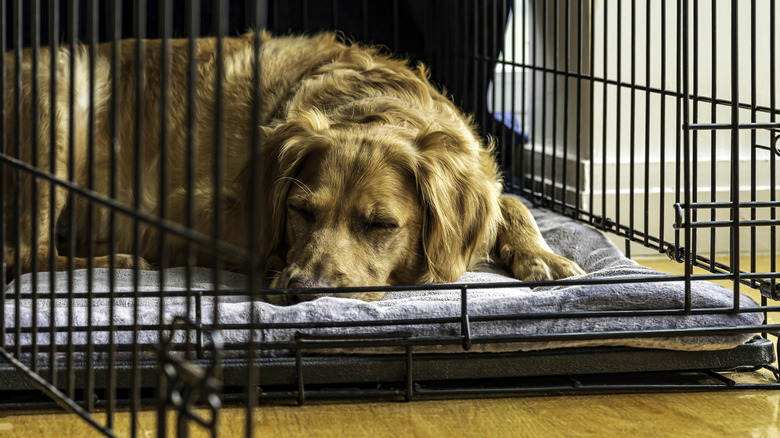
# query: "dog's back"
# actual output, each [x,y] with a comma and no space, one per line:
[88,135]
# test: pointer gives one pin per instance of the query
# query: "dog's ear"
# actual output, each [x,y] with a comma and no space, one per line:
[458,183]
[284,151]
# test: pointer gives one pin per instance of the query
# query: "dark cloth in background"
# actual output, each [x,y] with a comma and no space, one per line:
[458,39]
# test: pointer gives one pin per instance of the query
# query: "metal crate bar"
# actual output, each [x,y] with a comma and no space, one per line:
[571,93]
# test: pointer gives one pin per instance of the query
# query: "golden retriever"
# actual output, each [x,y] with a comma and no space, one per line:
[370,176]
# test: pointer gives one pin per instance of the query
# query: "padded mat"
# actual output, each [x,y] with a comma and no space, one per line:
[591,249]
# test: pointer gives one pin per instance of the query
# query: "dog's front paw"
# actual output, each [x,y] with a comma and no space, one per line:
[538,266]
[21,263]
[8,263]
[122,261]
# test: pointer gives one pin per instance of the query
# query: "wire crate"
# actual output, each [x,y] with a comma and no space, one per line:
[651,121]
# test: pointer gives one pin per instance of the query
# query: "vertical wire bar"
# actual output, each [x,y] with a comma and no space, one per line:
[578,170]
[566,120]
[604,107]
[35,24]
[17,30]
[299,375]
[514,153]
[524,128]
[483,63]
[476,102]
[491,75]
[305,15]
[4,152]
[364,9]
[683,99]
[163,390]
[772,162]
[116,32]
[618,108]
[500,56]
[714,132]
[464,85]
[429,45]
[193,15]
[648,95]
[694,133]
[255,216]
[409,375]
[448,68]
[632,127]
[139,18]
[396,25]
[735,152]
[165,14]
[678,159]
[92,27]
[662,181]
[72,36]
[275,9]
[533,108]
[54,19]
[772,158]
[753,113]
[543,126]
[465,329]
[591,118]
[554,113]
[219,141]
[165,17]
[335,11]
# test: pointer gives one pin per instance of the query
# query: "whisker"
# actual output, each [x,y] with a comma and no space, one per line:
[297,182]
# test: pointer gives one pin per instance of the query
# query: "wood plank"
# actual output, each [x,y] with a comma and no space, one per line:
[735,414]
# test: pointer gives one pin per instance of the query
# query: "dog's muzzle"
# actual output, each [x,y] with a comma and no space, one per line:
[294,278]
[302,283]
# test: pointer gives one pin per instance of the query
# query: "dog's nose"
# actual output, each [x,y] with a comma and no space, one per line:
[304,283]
[296,298]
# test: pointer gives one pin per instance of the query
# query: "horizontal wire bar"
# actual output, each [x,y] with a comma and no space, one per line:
[534,338]
[396,289]
[622,84]
[457,340]
[711,126]
[661,278]
[438,320]
[172,227]
[593,387]
[722,224]
[753,204]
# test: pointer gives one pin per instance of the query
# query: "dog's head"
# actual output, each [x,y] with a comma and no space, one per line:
[375,202]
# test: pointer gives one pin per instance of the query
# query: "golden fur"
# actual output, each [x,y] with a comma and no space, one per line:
[370,176]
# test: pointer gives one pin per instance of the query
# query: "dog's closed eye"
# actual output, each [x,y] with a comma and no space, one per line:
[302,209]
[380,222]
[379,226]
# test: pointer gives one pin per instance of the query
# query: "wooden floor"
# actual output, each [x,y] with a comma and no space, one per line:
[731,414]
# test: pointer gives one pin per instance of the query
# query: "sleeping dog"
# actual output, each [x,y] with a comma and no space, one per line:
[369,175]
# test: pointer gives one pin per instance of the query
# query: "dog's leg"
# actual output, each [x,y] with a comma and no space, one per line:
[37,210]
[522,249]
[34,247]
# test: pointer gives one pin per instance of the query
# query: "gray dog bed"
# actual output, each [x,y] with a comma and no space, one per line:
[592,250]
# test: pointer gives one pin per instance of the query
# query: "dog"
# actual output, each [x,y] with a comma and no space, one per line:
[368,175]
